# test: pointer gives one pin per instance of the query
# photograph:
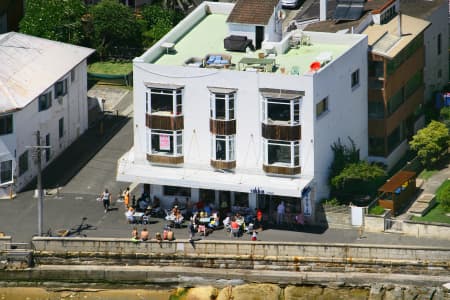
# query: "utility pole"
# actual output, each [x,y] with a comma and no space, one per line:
[37,151]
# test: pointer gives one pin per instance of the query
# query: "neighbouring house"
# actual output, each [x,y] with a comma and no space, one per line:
[407,62]
[43,86]
[11,12]
[244,129]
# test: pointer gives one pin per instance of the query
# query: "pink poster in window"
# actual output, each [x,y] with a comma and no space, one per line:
[164,142]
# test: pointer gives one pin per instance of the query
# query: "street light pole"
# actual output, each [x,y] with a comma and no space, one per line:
[37,151]
[39,184]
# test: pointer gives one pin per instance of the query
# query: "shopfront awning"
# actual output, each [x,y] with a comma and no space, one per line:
[142,172]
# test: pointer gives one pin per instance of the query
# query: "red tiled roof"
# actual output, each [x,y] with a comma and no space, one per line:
[256,12]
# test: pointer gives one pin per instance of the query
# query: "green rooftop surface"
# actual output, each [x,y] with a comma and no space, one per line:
[207,38]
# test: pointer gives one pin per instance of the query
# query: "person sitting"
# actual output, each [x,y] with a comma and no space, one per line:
[144,235]
[175,202]
[178,220]
[235,228]
[143,205]
[207,210]
[214,222]
[130,215]
[156,202]
[135,234]
[226,223]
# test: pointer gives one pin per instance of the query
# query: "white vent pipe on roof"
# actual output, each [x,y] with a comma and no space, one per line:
[323,10]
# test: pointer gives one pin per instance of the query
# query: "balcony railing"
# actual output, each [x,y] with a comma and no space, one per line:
[281,132]
[281,170]
[165,159]
[223,164]
[222,127]
[165,122]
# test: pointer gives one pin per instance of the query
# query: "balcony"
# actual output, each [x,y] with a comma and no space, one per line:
[165,159]
[222,127]
[165,122]
[282,170]
[280,131]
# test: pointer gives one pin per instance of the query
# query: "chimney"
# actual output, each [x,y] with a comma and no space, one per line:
[323,10]
[399,23]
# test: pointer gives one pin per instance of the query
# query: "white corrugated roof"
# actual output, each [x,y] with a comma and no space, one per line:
[29,65]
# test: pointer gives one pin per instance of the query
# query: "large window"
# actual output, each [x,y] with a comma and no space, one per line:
[61,88]
[23,163]
[45,101]
[413,84]
[321,107]
[376,69]
[396,101]
[282,153]
[376,146]
[169,190]
[281,111]
[164,101]
[222,106]
[223,147]
[166,142]
[6,175]
[6,124]
[376,110]
[395,138]
[355,79]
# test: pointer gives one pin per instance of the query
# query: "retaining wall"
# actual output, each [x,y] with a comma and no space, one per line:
[244,255]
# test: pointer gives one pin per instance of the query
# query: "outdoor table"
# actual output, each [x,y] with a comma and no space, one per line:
[266,64]
[138,216]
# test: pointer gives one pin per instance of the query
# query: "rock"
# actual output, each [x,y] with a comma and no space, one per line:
[394,294]
[410,292]
[251,292]
[292,292]
[376,292]
[202,293]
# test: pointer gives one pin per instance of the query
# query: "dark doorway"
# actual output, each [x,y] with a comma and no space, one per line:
[259,36]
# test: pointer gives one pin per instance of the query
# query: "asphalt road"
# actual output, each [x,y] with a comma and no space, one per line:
[89,165]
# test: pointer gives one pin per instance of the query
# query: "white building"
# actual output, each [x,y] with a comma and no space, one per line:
[43,87]
[222,131]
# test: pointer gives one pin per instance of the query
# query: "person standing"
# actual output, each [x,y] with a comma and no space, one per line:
[126,197]
[106,197]
[281,209]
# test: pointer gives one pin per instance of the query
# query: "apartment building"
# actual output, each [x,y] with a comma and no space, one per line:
[406,64]
[218,122]
[43,86]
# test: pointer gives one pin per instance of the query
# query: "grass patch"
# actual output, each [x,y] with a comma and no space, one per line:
[426,174]
[110,68]
[437,213]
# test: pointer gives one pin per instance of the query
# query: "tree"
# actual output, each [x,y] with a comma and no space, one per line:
[113,25]
[58,20]
[343,156]
[357,173]
[157,22]
[430,142]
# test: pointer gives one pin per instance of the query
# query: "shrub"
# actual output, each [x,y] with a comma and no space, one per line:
[444,198]
[376,210]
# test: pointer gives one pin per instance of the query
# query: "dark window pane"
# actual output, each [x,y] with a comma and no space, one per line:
[6,171]
[220,150]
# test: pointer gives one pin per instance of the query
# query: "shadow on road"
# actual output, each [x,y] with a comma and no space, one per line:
[77,155]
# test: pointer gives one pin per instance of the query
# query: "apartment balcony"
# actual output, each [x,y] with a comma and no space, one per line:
[282,170]
[165,122]
[280,131]
[223,164]
[222,127]
[165,159]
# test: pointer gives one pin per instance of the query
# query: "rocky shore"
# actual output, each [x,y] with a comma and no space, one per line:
[330,291]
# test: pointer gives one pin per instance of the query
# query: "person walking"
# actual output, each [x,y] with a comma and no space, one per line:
[191,229]
[281,209]
[126,198]
[106,198]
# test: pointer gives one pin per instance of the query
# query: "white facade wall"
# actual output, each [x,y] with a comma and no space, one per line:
[436,65]
[73,108]
[347,116]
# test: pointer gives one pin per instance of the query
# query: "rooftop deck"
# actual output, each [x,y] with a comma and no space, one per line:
[207,38]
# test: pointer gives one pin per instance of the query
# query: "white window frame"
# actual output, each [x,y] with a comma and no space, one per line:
[177,140]
[294,110]
[230,147]
[228,98]
[294,150]
[165,91]
[47,97]
[12,172]
[64,88]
